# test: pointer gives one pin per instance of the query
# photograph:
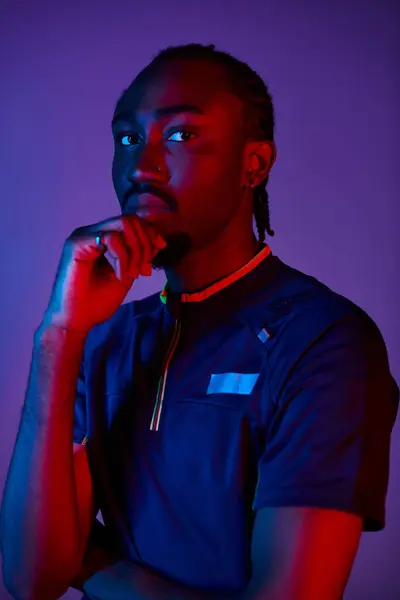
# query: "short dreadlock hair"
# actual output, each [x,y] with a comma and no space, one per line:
[249,87]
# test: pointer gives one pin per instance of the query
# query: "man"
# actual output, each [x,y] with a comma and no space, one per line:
[235,429]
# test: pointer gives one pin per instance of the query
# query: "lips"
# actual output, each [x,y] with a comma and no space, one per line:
[146,202]
[152,202]
[148,207]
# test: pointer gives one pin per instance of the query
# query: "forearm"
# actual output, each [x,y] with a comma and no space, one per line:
[39,517]
[103,576]
[126,580]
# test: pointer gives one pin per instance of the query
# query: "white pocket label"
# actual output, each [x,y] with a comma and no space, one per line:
[232,383]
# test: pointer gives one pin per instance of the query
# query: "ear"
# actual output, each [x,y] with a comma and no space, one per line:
[259,158]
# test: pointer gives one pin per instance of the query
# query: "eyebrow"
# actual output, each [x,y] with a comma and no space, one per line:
[164,111]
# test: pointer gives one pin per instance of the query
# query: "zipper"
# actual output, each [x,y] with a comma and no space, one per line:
[155,421]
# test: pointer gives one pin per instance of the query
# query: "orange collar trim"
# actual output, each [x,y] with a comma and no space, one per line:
[223,283]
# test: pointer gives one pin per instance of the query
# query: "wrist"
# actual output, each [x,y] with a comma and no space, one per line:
[53,326]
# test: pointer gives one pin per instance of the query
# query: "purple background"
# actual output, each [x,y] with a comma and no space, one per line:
[334,74]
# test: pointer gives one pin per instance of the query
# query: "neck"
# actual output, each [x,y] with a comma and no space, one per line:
[201,268]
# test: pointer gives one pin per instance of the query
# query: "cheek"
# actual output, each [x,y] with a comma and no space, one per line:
[203,169]
[116,173]
[208,197]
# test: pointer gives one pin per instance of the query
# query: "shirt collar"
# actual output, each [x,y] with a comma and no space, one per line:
[222,283]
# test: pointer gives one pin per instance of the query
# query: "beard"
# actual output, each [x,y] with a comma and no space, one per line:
[178,246]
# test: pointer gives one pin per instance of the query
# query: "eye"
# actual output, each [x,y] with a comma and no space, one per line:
[132,136]
[184,135]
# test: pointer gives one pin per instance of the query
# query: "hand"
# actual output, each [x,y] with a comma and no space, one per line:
[87,289]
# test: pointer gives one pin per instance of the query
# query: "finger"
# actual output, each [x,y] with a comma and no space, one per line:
[118,253]
[136,243]
[135,247]
[149,249]
[110,224]
[145,243]
[82,247]
[86,247]
[155,238]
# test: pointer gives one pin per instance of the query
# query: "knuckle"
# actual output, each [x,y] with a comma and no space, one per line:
[79,231]
[70,244]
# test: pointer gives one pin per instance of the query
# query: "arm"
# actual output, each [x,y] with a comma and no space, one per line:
[298,553]
[43,531]
[302,553]
[324,473]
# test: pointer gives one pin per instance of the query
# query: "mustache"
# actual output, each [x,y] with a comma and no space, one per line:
[148,188]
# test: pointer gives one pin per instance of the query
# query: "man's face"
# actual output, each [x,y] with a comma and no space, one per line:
[199,151]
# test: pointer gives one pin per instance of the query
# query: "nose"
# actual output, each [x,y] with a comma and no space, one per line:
[149,167]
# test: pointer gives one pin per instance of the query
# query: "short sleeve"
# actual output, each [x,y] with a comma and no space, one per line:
[328,442]
[79,432]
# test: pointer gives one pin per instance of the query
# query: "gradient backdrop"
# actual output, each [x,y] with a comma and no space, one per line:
[333,69]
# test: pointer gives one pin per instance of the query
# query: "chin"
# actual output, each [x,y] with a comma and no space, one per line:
[179,246]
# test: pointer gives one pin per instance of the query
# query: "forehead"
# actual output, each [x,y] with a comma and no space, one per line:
[177,82]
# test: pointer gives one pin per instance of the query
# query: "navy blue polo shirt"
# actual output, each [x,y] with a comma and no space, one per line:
[266,388]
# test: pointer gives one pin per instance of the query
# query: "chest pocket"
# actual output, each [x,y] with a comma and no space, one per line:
[240,392]
[232,383]
[220,370]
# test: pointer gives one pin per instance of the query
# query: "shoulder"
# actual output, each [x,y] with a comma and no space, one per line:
[306,308]
[306,319]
